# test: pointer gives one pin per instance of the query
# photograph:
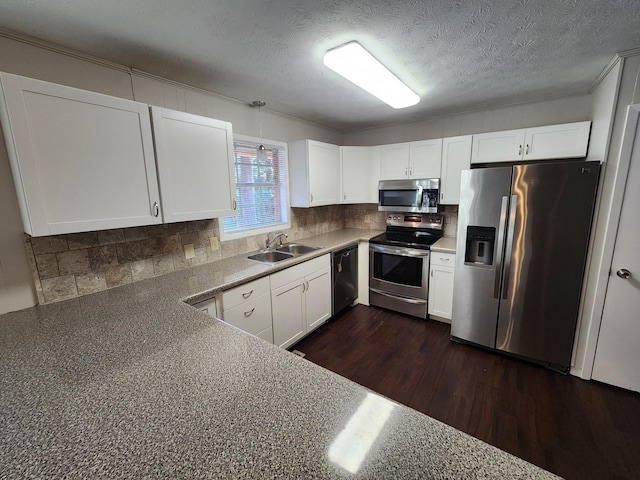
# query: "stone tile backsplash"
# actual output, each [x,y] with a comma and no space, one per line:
[67,266]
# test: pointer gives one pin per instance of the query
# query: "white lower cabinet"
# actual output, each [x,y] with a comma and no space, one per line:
[287,307]
[209,306]
[300,300]
[248,307]
[442,269]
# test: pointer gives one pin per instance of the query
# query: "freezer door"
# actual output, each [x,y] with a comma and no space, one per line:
[547,240]
[482,213]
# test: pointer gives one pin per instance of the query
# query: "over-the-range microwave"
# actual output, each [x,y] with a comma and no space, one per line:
[415,196]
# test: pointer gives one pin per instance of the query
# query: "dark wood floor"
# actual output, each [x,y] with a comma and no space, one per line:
[574,428]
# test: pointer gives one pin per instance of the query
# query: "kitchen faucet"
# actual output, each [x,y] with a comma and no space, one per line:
[269,243]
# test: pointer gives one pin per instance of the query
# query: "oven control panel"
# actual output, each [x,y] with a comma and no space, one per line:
[416,220]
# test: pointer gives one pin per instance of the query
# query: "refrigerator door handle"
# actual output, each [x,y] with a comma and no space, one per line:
[507,254]
[500,246]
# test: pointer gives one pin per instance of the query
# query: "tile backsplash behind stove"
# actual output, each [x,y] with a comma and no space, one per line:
[68,266]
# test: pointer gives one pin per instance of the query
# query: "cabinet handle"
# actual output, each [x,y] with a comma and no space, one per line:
[519,150]
[432,273]
[312,197]
[307,286]
[526,151]
[445,259]
[441,196]
[235,204]
[344,196]
[247,294]
[410,170]
[304,288]
[406,172]
[248,314]
[156,209]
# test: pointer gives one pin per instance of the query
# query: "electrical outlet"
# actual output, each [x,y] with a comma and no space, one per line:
[215,244]
[367,219]
[189,251]
[295,228]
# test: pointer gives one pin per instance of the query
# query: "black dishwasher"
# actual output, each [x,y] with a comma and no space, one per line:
[344,278]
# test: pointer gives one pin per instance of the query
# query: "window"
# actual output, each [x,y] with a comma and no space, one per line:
[261,189]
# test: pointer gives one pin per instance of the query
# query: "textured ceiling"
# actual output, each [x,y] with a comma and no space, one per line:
[457,55]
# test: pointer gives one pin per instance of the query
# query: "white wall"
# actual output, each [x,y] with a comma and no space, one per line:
[562,110]
[45,62]
[602,247]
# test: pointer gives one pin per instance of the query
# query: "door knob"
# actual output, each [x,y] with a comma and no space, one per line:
[623,273]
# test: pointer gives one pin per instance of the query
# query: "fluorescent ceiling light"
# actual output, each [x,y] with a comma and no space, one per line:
[358,66]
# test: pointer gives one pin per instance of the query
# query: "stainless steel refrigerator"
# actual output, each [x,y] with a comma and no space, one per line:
[523,235]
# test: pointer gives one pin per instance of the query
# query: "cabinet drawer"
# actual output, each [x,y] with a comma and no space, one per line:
[235,296]
[443,259]
[253,316]
[208,306]
[299,271]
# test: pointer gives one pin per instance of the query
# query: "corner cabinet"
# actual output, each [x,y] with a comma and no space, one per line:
[300,300]
[314,173]
[195,165]
[81,161]
[568,140]
[359,174]
[441,274]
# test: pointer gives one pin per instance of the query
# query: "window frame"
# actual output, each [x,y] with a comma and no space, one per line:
[225,236]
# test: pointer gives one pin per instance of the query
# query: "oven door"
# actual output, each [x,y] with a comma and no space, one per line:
[399,270]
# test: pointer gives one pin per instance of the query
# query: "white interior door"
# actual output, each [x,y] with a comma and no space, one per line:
[618,351]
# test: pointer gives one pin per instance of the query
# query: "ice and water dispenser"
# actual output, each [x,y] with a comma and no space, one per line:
[479,246]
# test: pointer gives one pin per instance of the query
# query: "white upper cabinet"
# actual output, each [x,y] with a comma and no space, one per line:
[359,174]
[394,161]
[424,158]
[505,146]
[314,173]
[411,160]
[456,156]
[81,161]
[569,140]
[195,165]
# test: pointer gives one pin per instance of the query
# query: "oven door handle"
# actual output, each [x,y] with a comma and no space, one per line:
[401,251]
[415,301]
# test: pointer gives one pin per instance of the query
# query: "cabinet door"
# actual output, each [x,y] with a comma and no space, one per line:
[425,158]
[81,161]
[358,177]
[394,161]
[569,140]
[287,307]
[317,298]
[456,156]
[195,165]
[507,146]
[441,291]
[324,174]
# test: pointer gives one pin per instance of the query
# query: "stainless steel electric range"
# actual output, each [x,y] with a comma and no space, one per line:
[399,262]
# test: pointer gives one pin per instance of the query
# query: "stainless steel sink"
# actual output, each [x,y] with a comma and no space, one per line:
[270,256]
[296,248]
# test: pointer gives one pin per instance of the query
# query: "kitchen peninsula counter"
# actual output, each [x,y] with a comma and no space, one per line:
[132,382]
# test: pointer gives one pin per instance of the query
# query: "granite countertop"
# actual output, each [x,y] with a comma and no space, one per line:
[445,245]
[132,382]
